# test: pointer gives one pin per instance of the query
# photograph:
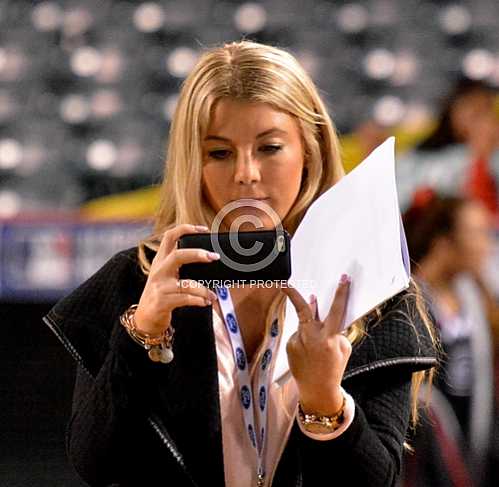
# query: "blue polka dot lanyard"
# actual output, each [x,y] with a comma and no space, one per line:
[258,439]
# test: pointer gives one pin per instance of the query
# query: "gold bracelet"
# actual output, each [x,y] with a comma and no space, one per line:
[159,347]
[327,423]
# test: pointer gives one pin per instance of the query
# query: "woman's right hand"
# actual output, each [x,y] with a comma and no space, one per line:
[164,291]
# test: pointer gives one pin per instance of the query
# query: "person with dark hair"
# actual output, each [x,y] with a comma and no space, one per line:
[450,240]
[460,157]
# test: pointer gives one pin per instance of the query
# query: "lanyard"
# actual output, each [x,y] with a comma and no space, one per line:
[257,438]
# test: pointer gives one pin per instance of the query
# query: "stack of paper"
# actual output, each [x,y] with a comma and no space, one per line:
[354,228]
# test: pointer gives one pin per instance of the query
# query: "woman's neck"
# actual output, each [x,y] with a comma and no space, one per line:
[436,274]
[258,297]
[440,279]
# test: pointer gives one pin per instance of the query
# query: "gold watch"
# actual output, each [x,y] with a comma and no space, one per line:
[315,423]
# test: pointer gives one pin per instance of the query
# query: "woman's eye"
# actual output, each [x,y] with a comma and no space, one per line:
[271,148]
[219,154]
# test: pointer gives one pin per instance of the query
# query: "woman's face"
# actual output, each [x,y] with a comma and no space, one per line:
[470,108]
[251,150]
[472,237]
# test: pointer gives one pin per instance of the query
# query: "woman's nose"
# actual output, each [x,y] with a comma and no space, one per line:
[247,169]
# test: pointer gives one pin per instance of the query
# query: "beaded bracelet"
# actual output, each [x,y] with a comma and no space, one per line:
[159,347]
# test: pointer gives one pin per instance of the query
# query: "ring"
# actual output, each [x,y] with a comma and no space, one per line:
[307,321]
[179,287]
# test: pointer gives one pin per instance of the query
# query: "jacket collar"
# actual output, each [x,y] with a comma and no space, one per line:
[399,339]
[190,402]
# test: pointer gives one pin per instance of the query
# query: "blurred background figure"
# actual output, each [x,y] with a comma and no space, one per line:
[450,242]
[461,155]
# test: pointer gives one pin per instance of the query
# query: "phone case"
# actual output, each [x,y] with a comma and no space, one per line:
[269,261]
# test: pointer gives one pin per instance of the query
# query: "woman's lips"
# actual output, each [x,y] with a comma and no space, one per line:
[249,200]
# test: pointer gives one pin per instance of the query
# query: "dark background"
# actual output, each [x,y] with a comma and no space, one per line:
[36,380]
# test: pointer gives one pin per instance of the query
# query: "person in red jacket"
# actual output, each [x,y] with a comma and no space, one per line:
[461,156]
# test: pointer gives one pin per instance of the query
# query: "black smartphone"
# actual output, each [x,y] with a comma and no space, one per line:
[245,257]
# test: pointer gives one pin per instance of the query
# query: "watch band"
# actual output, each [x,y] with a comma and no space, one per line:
[326,424]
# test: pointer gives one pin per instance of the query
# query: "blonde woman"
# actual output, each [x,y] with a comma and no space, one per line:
[201,411]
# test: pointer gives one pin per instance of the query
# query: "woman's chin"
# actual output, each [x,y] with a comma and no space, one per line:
[248,226]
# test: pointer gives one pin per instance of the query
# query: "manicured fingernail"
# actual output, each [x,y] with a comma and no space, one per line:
[213,296]
[345,278]
[201,228]
[207,301]
[313,298]
[213,255]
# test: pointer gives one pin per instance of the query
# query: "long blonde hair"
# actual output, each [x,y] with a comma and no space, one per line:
[250,72]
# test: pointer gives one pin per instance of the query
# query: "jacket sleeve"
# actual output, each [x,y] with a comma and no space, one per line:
[369,452]
[114,375]
[107,411]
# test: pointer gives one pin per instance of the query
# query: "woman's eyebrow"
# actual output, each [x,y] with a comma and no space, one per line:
[216,137]
[272,130]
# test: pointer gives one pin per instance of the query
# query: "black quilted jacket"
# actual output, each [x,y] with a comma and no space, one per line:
[139,423]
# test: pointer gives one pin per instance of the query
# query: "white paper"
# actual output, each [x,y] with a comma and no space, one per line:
[355,228]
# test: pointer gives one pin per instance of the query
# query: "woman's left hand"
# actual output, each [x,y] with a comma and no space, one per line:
[318,353]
